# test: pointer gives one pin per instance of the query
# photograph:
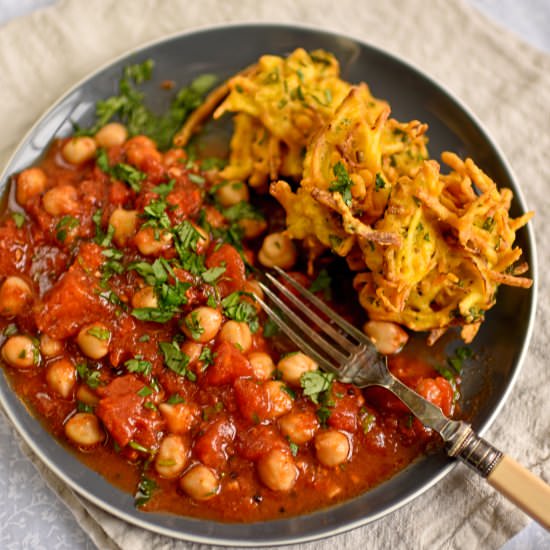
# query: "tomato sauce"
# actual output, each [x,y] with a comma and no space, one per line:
[117,373]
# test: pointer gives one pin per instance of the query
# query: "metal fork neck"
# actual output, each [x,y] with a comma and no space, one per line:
[354,371]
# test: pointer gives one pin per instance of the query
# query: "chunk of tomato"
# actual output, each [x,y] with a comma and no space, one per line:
[229,364]
[234,276]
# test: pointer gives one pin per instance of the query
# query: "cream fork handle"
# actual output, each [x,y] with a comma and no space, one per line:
[523,488]
[530,493]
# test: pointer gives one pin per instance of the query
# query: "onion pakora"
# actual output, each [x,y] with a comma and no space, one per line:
[430,249]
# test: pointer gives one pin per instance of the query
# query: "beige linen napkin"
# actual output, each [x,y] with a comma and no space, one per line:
[504,81]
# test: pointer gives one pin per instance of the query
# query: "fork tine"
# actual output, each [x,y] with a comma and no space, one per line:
[293,335]
[326,327]
[312,335]
[332,315]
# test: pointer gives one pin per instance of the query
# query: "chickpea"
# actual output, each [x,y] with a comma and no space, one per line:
[277,470]
[299,427]
[61,377]
[172,456]
[50,347]
[84,430]
[93,340]
[125,224]
[30,182]
[292,367]
[332,448]
[174,157]
[15,293]
[148,243]
[238,334]
[61,200]
[146,297]
[279,399]
[202,324]
[387,337]
[230,193]
[140,150]
[86,395]
[79,150]
[111,134]
[277,250]
[253,286]
[20,352]
[200,482]
[180,417]
[262,365]
[192,350]
[252,228]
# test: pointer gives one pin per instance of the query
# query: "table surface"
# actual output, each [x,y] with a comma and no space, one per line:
[31,515]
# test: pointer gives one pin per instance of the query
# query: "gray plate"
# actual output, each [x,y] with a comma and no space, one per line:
[502,341]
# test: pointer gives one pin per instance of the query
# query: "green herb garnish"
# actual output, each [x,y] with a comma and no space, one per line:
[343,183]
[139,365]
[176,360]
[315,383]
[238,310]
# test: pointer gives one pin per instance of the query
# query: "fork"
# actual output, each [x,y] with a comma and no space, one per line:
[350,355]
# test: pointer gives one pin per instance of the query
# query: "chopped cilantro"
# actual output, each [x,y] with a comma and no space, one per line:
[293,448]
[242,211]
[207,357]
[10,330]
[18,218]
[156,215]
[379,183]
[195,178]
[488,224]
[460,354]
[138,447]
[164,188]
[84,408]
[323,414]
[139,365]
[238,310]
[288,391]
[145,391]
[120,171]
[367,420]
[343,183]
[322,284]
[129,175]
[315,383]
[152,314]
[211,275]
[144,338]
[212,163]
[270,328]
[89,376]
[101,333]
[175,359]
[102,238]
[175,399]
[128,106]
[65,224]
[192,322]
[154,273]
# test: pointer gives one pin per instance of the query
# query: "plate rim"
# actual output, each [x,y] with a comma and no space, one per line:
[485,425]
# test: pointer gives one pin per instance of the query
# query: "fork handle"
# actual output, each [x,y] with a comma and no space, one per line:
[527,491]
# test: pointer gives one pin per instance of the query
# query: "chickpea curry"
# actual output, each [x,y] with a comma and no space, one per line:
[129,325]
